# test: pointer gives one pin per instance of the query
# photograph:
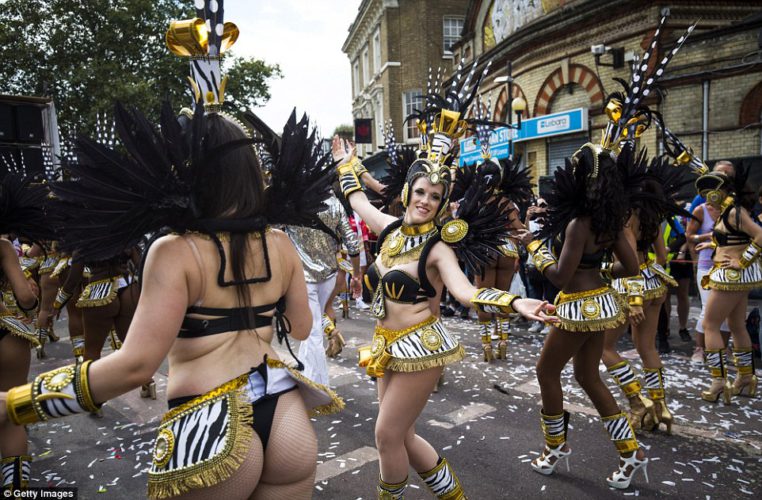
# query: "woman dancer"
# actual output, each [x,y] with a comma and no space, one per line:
[22,214]
[737,241]
[219,282]
[699,230]
[410,345]
[586,219]
[653,188]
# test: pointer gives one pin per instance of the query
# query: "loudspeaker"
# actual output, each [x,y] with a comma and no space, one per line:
[7,125]
[32,160]
[10,159]
[29,124]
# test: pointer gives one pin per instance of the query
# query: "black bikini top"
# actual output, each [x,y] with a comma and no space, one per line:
[228,319]
[732,236]
[588,261]
[398,286]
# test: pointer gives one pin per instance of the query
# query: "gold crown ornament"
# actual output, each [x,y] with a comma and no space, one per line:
[204,39]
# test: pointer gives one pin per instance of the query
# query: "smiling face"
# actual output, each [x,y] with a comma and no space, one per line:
[424,201]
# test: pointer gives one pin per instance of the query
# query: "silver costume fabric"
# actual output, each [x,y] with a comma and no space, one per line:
[318,249]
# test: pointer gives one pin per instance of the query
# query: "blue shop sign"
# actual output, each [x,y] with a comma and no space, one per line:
[566,122]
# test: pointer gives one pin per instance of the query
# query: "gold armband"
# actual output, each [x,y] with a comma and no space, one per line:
[62,297]
[348,179]
[328,325]
[750,254]
[541,255]
[635,287]
[57,393]
[493,300]
[359,167]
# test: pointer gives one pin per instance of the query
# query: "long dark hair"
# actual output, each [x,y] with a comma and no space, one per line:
[605,198]
[232,187]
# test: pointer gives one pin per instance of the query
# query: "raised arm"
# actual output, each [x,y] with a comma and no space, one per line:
[352,189]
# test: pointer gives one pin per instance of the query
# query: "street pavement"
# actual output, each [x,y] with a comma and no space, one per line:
[484,419]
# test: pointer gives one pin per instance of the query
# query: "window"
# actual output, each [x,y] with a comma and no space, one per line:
[356,78]
[377,50]
[366,66]
[412,100]
[451,28]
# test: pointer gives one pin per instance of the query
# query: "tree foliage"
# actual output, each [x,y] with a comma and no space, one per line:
[88,53]
[345,131]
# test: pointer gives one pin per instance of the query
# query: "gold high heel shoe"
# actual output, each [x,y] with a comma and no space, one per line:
[719,387]
[663,415]
[148,390]
[643,413]
[487,348]
[745,385]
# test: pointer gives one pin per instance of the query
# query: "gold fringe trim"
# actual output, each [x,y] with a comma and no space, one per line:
[14,330]
[655,293]
[85,301]
[592,325]
[729,287]
[420,364]
[219,468]
[336,404]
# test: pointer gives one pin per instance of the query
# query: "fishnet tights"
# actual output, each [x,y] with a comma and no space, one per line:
[289,462]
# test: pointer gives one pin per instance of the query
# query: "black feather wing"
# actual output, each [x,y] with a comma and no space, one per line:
[301,177]
[22,208]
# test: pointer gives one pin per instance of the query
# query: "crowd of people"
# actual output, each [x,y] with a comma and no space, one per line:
[206,238]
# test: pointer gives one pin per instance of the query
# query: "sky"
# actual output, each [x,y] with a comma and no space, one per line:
[304,37]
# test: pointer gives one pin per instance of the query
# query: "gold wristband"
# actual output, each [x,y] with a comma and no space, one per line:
[20,405]
[749,255]
[348,180]
[358,167]
[493,300]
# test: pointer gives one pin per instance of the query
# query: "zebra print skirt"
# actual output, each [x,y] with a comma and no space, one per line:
[49,264]
[101,292]
[200,443]
[9,323]
[509,249]
[733,280]
[419,347]
[591,310]
[655,278]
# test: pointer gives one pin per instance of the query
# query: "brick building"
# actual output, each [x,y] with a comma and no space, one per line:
[391,45]
[712,89]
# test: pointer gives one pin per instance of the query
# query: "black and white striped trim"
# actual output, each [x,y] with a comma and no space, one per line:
[622,373]
[618,427]
[653,379]
[572,310]
[411,346]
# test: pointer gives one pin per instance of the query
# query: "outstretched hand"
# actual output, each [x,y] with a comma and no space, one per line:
[536,310]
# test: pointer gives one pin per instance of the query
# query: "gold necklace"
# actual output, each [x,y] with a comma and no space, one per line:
[406,243]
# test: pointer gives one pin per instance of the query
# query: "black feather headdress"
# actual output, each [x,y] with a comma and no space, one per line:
[118,196]
[22,208]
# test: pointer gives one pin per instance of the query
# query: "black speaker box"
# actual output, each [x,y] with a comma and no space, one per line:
[7,125]
[29,124]
[32,161]
[10,159]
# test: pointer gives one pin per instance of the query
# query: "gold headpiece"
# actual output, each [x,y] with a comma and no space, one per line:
[195,38]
